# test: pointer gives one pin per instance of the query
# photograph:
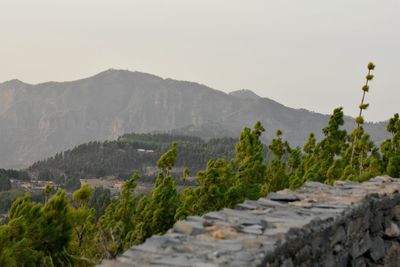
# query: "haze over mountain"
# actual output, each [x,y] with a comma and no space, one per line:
[37,121]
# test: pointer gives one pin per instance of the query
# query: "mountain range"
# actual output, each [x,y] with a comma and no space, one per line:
[39,120]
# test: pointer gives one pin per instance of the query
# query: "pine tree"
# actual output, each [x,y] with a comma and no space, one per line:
[84,228]
[249,162]
[36,234]
[320,157]
[164,198]
[276,174]
[117,222]
[156,214]
[307,159]
[390,148]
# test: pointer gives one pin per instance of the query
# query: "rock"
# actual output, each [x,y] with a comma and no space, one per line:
[245,206]
[215,215]
[338,235]
[353,226]
[189,227]
[229,245]
[271,203]
[359,262]
[359,248]
[251,243]
[253,229]
[337,248]
[177,261]
[396,213]
[285,197]
[377,250]
[204,264]
[393,230]
[287,263]
[343,260]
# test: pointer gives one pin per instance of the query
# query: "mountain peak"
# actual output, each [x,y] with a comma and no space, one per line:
[123,72]
[14,83]
[112,71]
[245,93]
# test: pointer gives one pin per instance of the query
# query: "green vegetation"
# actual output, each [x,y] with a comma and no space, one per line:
[130,153]
[84,229]
[7,175]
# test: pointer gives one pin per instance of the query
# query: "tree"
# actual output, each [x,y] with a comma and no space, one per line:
[117,222]
[249,162]
[320,157]
[37,234]
[5,183]
[390,148]
[216,189]
[276,176]
[99,201]
[164,198]
[84,228]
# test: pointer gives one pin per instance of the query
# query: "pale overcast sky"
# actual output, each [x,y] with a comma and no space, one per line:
[303,53]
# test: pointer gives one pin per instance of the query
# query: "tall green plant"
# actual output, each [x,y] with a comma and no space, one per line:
[358,131]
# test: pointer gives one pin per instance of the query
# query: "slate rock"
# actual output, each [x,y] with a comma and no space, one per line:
[377,250]
[286,197]
[359,248]
[189,227]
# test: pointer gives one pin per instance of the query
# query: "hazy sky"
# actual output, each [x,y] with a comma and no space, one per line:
[302,53]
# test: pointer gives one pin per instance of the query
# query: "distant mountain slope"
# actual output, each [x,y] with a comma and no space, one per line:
[37,121]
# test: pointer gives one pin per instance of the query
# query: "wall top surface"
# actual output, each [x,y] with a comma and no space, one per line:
[255,233]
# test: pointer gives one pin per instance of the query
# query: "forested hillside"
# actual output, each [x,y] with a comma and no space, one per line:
[111,159]
[130,153]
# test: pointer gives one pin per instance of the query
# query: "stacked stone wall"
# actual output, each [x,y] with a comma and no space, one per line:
[348,224]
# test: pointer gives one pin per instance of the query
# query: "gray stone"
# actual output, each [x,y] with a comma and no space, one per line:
[393,230]
[287,263]
[339,207]
[360,247]
[338,236]
[285,197]
[229,245]
[205,264]
[303,254]
[353,226]
[329,261]
[189,227]
[337,248]
[253,229]
[359,262]
[396,213]
[178,261]
[271,203]
[377,250]
[214,215]
[343,260]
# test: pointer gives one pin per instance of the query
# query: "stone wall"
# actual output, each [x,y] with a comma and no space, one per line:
[348,224]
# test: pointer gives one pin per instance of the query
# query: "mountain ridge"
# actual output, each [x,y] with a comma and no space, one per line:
[39,120]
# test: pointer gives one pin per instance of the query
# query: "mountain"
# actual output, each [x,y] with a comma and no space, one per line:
[245,94]
[39,120]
